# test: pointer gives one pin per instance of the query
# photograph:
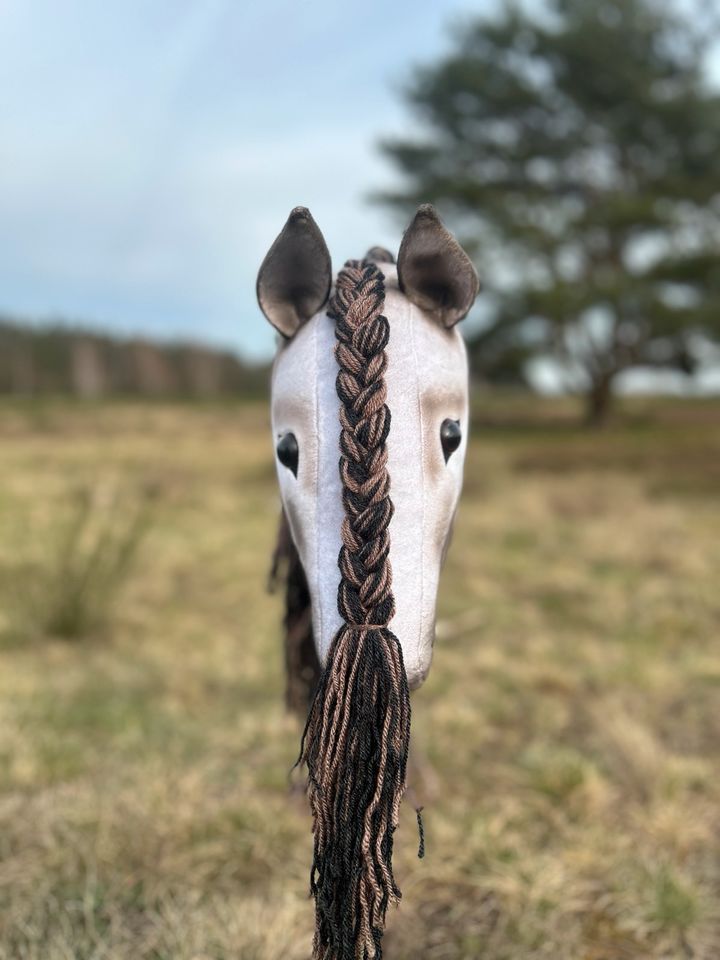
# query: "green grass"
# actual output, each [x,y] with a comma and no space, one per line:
[566,742]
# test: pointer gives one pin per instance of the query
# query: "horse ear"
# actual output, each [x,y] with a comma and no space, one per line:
[294,279]
[433,269]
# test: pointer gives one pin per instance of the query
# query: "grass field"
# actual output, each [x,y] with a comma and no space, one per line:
[570,725]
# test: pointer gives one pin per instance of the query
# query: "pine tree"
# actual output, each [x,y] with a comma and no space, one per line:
[579,151]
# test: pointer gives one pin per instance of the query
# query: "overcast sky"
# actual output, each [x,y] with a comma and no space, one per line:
[151,151]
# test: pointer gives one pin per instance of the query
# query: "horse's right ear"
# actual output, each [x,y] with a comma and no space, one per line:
[294,279]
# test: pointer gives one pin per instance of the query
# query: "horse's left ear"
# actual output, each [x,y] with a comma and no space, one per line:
[294,278]
[433,269]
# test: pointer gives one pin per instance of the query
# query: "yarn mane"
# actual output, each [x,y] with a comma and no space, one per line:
[302,666]
[356,739]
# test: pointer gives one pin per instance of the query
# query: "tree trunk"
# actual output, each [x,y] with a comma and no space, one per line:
[598,400]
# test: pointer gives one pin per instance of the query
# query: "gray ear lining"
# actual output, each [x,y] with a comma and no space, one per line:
[434,271]
[294,279]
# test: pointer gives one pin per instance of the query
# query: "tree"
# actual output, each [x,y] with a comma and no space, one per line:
[578,152]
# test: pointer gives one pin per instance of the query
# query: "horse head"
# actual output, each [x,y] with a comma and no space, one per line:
[432,287]
[370,422]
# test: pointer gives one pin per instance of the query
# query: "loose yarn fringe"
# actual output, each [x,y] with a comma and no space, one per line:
[355,746]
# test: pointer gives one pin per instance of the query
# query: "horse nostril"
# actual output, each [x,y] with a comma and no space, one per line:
[450,437]
[288,452]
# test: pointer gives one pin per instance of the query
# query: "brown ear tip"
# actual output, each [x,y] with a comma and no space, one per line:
[299,213]
[426,211]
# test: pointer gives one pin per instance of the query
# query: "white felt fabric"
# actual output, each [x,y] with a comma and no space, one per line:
[427,383]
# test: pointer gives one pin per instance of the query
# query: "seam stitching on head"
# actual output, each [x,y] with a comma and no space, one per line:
[318,440]
[413,347]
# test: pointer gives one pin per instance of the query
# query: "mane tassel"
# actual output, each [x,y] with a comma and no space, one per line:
[356,739]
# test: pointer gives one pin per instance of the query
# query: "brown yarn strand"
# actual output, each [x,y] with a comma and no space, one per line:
[357,735]
[302,667]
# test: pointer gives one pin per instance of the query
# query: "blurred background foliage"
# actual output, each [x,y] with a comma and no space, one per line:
[41,360]
[577,150]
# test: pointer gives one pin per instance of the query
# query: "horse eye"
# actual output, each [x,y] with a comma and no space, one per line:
[450,437]
[287,452]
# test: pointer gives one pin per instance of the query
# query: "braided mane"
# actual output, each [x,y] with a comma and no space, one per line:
[356,739]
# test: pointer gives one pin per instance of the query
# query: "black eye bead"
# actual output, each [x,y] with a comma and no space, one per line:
[287,452]
[450,437]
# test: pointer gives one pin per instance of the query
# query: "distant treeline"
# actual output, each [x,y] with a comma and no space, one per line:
[59,359]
